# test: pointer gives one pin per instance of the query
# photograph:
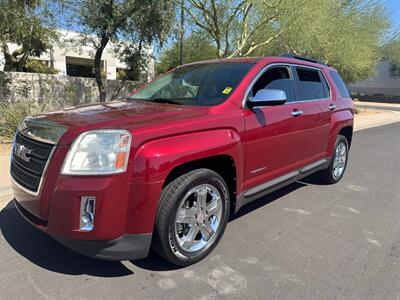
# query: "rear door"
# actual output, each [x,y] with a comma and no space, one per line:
[314,102]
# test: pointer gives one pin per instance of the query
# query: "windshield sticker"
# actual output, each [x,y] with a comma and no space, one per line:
[227,90]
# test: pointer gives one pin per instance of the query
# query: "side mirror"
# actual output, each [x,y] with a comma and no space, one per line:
[265,97]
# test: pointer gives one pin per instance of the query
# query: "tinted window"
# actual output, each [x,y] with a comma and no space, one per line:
[276,78]
[311,85]
[198,84]
[344,93]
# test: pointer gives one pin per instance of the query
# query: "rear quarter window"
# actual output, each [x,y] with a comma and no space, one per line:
[340,85]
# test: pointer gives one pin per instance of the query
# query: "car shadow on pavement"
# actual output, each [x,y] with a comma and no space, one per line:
[155,263]
[45,252]
[268,199]
[42,250]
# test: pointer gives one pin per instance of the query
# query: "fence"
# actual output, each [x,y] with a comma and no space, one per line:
[60,90]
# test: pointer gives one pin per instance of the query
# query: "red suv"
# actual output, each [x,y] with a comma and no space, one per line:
[166,167]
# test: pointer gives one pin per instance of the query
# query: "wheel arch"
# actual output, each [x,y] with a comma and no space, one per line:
[347,132]
[223,164]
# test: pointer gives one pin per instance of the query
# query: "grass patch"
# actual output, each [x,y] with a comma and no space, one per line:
[11,114]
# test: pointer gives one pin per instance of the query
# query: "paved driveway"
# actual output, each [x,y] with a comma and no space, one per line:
[307,241]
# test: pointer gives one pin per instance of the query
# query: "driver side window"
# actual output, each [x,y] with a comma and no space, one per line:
[276,78]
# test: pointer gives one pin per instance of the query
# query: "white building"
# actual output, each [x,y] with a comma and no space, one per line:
[79,61]
[381,84]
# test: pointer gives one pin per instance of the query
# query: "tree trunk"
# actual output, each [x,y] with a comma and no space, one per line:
[181,32]
[9,65]
[97,68]
[13,63]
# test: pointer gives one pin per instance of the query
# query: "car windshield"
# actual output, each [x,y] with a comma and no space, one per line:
[199,84]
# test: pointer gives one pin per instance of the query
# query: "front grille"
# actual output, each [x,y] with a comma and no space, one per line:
[28,173]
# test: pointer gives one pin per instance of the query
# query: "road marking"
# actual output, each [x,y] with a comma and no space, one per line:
[350,209]
[298,211]
[374,242]
[167,284]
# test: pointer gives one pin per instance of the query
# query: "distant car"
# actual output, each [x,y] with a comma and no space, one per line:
[167,166]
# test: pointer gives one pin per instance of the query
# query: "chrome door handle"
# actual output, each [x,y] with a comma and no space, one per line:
[297,113]
[332,106]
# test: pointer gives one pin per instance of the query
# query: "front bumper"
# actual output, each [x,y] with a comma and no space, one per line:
[126,247]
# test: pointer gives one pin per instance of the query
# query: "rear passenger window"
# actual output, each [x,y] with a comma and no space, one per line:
[344,93]
[312,84]
[276,78]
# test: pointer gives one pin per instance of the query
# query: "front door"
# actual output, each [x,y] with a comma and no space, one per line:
[274,135]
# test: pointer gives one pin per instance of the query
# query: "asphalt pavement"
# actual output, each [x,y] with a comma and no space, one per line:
[306,241]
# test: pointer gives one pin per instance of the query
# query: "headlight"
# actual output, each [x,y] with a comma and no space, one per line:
[98,152]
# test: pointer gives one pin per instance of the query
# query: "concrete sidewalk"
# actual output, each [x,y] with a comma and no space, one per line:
[373,117]
[5,192]
[378,105]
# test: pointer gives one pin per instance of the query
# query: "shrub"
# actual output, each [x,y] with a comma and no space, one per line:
[11,114]
[36,66]
[4,85]
[121,74]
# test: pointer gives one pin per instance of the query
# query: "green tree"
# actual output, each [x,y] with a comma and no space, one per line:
[196,47]
[391,54]
[133,21]
[344,34]
[238,28]
[29,25]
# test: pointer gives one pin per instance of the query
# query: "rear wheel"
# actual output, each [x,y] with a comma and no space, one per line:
[192,216]
[338,163]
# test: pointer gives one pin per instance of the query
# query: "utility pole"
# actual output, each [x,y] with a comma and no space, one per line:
[181,32]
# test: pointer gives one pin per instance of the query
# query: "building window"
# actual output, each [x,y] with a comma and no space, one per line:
[82,67]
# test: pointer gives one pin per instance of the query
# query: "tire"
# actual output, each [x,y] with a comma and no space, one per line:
[331,175]
[190,219]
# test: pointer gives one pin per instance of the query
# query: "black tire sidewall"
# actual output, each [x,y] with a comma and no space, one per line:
[340,139]
[176,253]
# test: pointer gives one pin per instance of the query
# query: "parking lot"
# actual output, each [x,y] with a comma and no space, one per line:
[306,241]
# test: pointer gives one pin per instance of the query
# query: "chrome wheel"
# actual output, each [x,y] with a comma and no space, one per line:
[339,161]
[198,218]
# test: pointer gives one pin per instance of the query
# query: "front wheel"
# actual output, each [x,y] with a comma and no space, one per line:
[338,163]
[192,216]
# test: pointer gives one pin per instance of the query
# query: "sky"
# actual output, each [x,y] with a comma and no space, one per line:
[393,7]
[394,10]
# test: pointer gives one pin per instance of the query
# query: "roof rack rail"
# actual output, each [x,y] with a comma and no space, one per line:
[288,55]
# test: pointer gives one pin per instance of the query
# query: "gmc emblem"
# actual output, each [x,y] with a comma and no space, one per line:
[22,152]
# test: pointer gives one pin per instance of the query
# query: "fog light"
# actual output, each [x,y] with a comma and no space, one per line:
[86,220]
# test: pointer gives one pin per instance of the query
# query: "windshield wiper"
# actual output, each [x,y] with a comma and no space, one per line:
[164,100]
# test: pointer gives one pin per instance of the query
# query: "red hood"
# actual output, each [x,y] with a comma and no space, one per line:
[119,114]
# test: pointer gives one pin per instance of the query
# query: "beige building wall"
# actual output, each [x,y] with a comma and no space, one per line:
[65,49]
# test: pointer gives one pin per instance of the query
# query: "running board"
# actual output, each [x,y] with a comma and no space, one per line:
[269,184]
[314,165]
[279,182]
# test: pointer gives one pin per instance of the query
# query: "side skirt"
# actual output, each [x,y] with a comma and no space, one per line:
[280,182]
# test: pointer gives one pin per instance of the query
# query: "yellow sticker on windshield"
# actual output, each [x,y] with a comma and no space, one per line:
[227,90]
